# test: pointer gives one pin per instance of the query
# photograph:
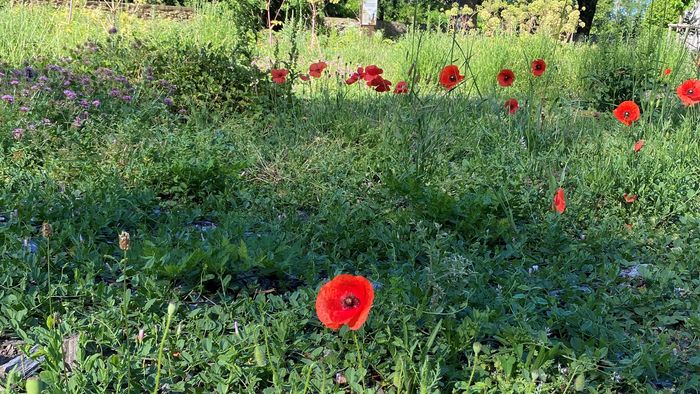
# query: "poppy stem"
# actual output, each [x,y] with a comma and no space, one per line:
[471,376]
[359,360]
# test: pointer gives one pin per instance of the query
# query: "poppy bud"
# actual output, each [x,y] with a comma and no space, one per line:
[34,385]
[477,348]
[580,382]
[124,241]
[46,230]
[260,356]
[171,308]
[141,335]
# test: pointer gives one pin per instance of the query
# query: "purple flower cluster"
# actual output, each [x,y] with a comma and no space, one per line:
[41,97]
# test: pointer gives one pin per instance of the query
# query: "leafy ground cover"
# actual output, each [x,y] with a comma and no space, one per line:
[242,197]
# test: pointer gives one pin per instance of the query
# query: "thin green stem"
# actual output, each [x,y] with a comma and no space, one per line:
[160,352]
[125,313]
[471,376]
[48,273]
[359,359]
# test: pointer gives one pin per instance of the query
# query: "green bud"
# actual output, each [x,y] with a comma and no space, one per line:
[50,322]
[172,307]
[260,356]
[477,348]
[34,385]
[580,382]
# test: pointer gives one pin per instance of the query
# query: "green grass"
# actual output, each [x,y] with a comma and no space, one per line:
[441,200]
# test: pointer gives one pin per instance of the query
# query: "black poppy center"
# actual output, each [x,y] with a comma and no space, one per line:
[453,78]
[350,301]
[627,114]
[538,67]
[690,91]
[506,77]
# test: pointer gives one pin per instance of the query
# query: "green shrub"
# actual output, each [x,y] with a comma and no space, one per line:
[208,77]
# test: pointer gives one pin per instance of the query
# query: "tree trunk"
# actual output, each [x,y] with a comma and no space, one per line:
[587,8]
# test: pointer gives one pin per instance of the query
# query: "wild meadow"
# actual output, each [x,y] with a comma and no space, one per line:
[180,199]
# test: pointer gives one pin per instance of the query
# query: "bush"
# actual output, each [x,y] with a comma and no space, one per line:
[207,77]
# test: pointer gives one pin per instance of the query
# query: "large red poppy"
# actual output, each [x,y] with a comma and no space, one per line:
[370,73]
[450,77]
[538,67]
[506,78]
[512,106]
[689,92]
[638,146]
[346,299]
[401,88]
[380,84]
[279,75]
[627,112]
[559,201]
[316,69]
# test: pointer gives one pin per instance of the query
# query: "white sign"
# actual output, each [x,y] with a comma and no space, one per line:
[369,10]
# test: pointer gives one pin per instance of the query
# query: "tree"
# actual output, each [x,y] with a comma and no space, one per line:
[587,9]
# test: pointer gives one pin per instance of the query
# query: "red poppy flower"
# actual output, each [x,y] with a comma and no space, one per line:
[512,106]
[380,84]
[304,77]
[638,146]
[627,112]
[559,201]
[689,92]
[667,71]
[316,69]
[353,78]
[506,78]
[401,88]
[279,75]
[346,299]
[450,77]
[629,198]
[370,73]
[538,67]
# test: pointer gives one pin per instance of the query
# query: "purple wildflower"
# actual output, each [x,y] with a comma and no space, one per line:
[70,95]
[8,98]
[114,92]
[18,133]
[168,101]
[126,98]
[112,30]
[96,103]
[14,82]
[84,103]
[24,108]
[46,121]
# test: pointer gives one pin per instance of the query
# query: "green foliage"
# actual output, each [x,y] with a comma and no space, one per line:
[661,13]
[441,199]
[208,77]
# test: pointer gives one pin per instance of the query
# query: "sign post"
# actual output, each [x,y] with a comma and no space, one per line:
[368,14]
